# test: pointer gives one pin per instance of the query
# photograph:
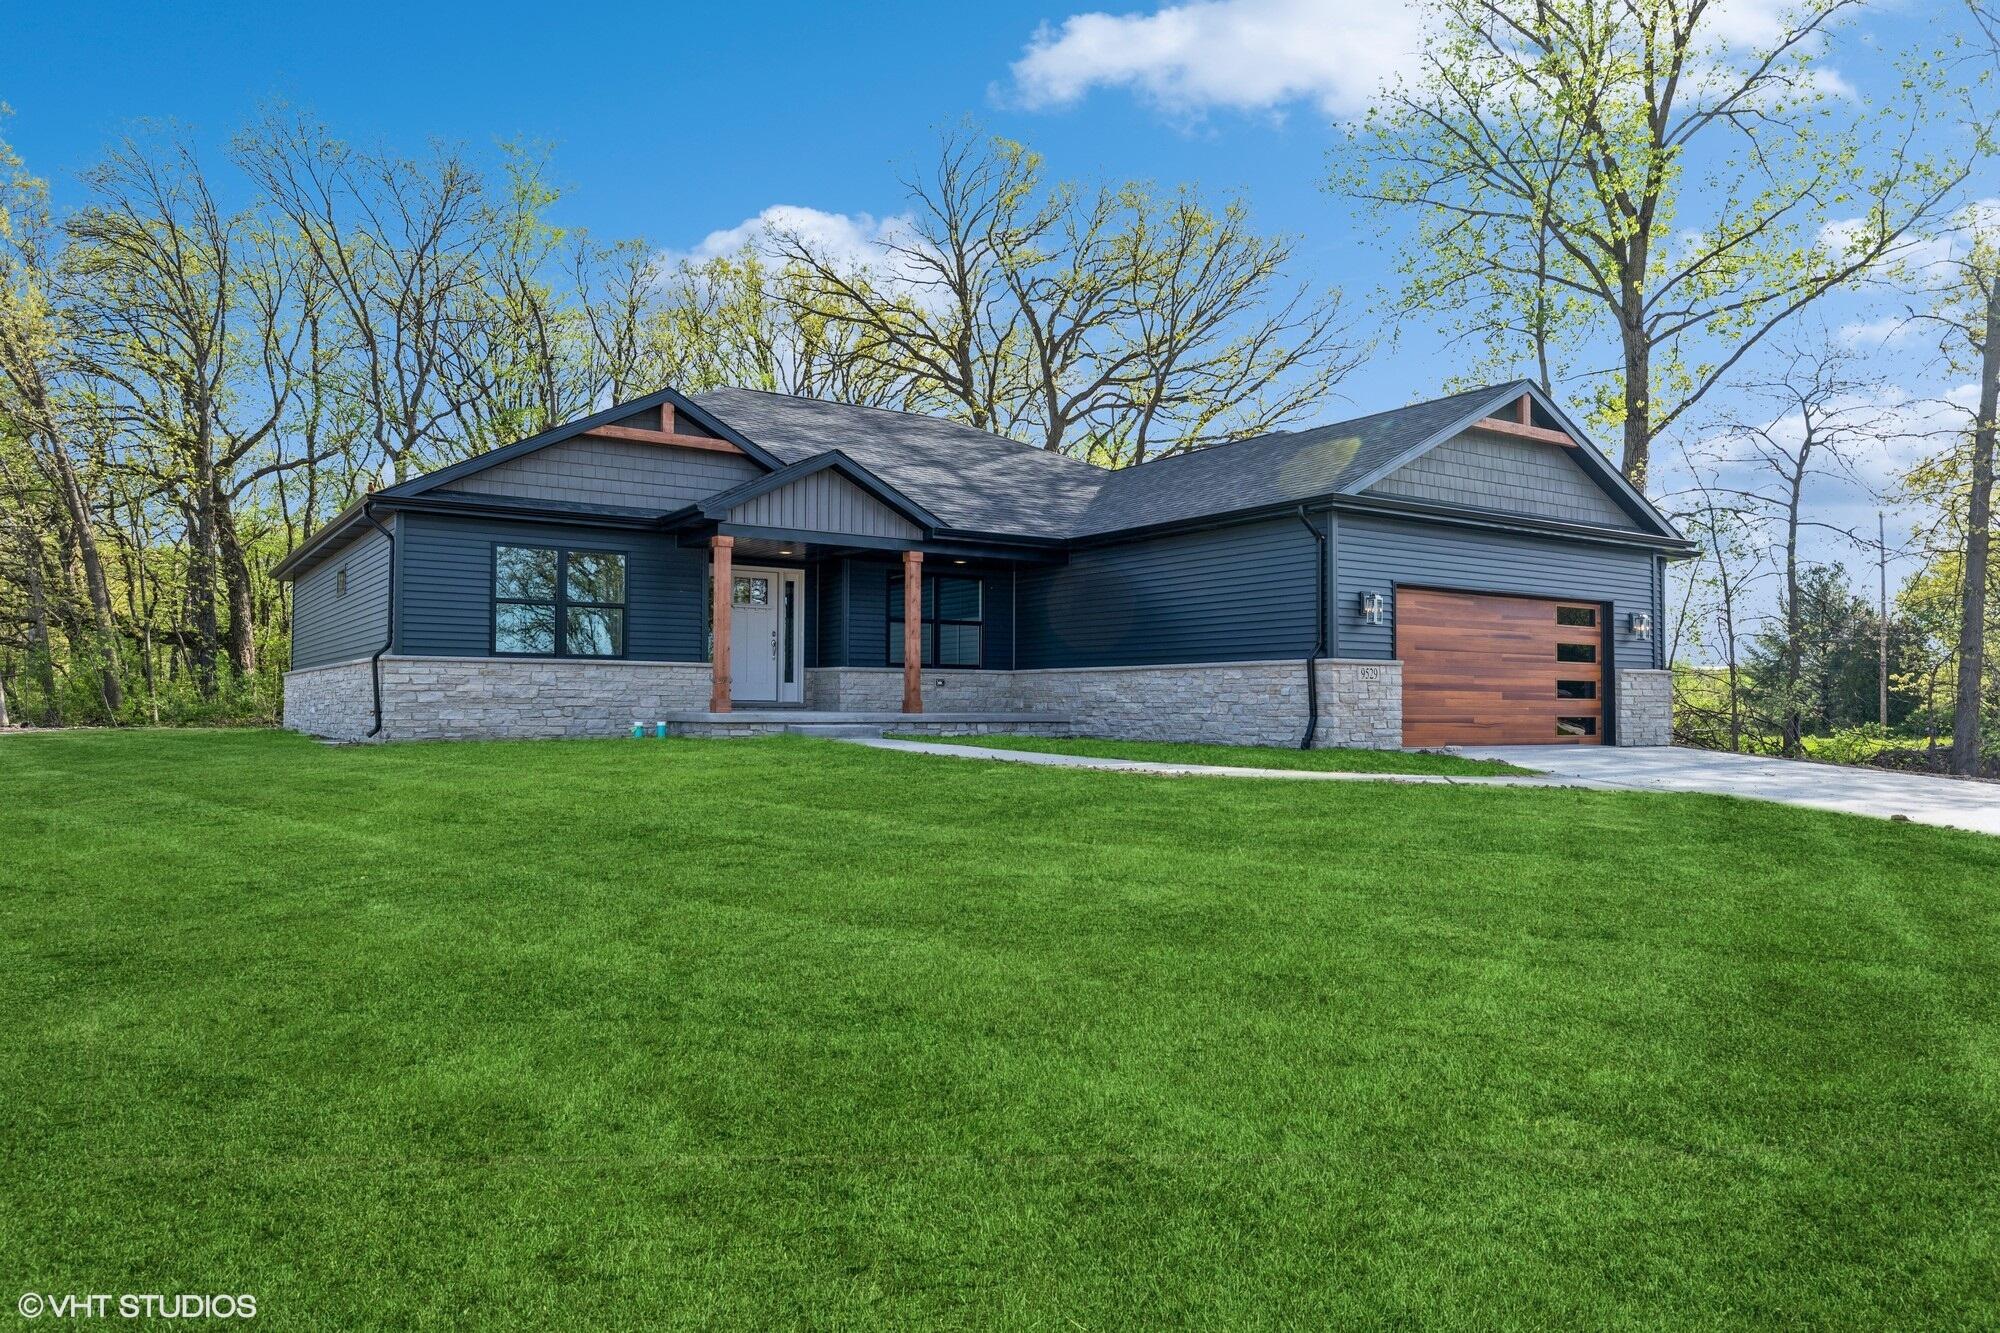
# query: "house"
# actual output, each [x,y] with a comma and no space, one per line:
[1467,569]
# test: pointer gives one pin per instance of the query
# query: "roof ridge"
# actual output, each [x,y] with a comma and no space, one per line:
[929,418]
[1328,425]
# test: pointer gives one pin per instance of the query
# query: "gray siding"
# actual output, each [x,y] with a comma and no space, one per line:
[824,502]
[329,627]
[1377,554]
[447,585]
[1227,594]
[613,472]
[1515,476]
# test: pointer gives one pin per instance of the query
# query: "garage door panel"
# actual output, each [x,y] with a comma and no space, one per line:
[1486,669]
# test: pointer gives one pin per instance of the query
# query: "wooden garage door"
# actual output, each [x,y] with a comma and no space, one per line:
[1481,670]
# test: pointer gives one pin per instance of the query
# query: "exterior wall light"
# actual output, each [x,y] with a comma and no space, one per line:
[1641,625]
[1371,608]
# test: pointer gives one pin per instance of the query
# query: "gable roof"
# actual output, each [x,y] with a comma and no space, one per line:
[950,478]
[721,503]
[1266,471]
[617,412]
[972,481]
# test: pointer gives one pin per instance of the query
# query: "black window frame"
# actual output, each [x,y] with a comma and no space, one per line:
[928,635]
[561,604]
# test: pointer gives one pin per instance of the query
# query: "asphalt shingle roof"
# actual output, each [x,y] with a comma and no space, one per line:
[972,480]
[985,483]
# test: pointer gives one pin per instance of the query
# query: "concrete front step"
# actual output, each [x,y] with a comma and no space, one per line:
[861,725]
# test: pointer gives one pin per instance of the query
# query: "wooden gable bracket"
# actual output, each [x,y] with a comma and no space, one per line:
[666,435]
[1521,427]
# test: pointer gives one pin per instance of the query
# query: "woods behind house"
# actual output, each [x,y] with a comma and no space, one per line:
[1643,206]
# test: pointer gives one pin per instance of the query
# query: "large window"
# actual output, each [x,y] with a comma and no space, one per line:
[952,615]
[549,602]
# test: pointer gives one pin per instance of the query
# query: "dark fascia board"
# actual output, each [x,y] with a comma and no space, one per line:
[697,533]
[477,506]
[1501,520]
[717,506]
[1395,507]
[571,429]
[465,504]
[1588,457]
[308,552]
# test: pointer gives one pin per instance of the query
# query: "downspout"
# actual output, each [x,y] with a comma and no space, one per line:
[1319,639]
[375,662]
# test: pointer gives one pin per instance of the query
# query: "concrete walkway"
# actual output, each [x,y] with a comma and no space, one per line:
[1919,797]
[1209,770]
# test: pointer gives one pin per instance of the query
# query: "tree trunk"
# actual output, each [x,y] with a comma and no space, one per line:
[41,652]
[242,640]
[1965,737]
[1638,400]
[74,499]
[1792,738]
[203,633]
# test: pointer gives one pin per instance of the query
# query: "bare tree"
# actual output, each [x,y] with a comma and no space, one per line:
[1822,411]
[399,242]
[182,315]
[1107,320]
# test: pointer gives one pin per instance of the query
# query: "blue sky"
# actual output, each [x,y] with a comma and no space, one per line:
[679,122]
[676,122]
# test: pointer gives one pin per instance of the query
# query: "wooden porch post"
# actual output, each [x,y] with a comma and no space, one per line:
[720,591]
[913,631]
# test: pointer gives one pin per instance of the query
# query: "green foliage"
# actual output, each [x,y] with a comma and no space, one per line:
[1851,745]
[1620,175]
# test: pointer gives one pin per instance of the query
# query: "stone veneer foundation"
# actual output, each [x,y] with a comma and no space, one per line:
[465,698]
[1235,703]
[1231,703]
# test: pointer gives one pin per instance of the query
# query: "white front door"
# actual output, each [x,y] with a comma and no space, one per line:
[767,635]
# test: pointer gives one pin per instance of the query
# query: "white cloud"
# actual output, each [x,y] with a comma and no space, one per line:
[1262,55]
[1926,255]
[1239,54]
[857,239]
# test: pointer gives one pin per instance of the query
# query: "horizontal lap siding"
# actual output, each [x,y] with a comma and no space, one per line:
[328,627]
[1377,554]
[1240,593]
[447,586]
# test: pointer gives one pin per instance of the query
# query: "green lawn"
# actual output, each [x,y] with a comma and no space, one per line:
[1244,756]
[770,1034]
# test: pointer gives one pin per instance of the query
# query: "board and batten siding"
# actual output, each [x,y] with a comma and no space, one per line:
[330,626]
[612,472]
[854,610]
[1377,554]
[1512,476]
[446,587]
[824,502]
[1242,593]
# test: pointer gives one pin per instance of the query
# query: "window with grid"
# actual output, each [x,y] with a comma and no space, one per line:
[550,602]
[953,621]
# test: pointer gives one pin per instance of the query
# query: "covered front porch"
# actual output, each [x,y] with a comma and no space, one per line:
[832,595]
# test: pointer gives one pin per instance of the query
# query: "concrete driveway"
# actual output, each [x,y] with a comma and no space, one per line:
[1923,799]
